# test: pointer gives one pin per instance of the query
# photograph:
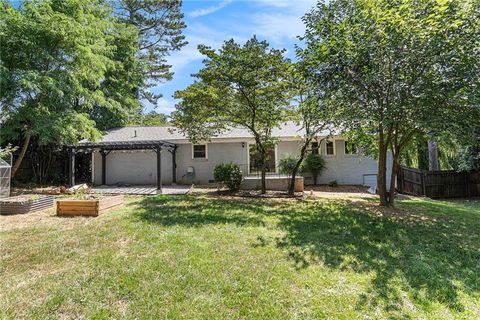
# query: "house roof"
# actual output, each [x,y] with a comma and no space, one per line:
[169,133]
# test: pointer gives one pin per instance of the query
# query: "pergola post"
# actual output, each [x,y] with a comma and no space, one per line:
[158,150]
[104,154]
[174,165]
[71,167]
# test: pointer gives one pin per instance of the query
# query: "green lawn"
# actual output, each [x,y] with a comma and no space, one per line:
[200,257]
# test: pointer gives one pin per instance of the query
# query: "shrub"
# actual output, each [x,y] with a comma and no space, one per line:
[333,184]
[229,175]
[314,164]
[287,164]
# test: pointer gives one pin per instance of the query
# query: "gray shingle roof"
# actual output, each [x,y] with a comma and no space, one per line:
[168,133]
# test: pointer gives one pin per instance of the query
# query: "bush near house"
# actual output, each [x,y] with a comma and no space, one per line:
[287,164]
[314,164]
[229,175]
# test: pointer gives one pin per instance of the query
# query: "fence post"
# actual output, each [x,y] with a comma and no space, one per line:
[467,185]
[424,187]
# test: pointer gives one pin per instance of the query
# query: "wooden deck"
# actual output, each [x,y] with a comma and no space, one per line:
[141,190]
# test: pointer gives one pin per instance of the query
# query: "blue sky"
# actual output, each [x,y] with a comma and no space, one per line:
[211,22]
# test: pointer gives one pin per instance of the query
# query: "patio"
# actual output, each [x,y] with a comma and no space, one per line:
[142,190]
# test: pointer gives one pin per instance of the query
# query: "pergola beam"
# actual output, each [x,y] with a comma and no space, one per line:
[106,147]
[126,145]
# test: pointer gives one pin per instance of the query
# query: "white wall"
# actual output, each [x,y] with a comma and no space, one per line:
[139,167]
[133,167]
[341,167]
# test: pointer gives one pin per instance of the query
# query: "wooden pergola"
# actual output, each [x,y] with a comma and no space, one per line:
[105,148]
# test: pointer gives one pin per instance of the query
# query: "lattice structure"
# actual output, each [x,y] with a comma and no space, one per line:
[5,177]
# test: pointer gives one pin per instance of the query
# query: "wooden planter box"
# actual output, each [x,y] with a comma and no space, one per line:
[91,207]
[24,204]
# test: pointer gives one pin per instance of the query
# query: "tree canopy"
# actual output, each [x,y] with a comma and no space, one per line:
[395,69]
[242,86]
[159,24]
[72,68]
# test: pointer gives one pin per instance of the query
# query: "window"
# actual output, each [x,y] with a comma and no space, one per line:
[330,148]
[199,151]
[256,163]
[350,148]
[315,147]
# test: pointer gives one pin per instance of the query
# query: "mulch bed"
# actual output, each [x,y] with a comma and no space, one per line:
[257,194]
[340,188]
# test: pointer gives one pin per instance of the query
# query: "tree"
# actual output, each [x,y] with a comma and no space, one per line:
[160,25]
[55,55]
[314,116]
[7,151]
[240,86]
[154,118]
[123,76]
[395,69]
[314,164]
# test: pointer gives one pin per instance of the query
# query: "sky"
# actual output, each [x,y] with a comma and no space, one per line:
[211,22]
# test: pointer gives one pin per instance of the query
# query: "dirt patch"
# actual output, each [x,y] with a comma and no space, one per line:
[338,189]
[20,221]
[257,194]
[396,213]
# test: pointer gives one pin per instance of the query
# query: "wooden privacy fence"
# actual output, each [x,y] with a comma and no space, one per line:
[438,184]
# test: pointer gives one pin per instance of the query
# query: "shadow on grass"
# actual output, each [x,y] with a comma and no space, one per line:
[434,259]
[435,256]
[195,211]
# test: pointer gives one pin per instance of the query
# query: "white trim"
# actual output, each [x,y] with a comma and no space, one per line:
[206,151]
[333,140]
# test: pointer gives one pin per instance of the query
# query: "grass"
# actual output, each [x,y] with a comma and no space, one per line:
[201,257]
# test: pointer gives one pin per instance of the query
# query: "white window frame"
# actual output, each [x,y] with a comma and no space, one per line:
[248,159]
[334,147]
[206,151]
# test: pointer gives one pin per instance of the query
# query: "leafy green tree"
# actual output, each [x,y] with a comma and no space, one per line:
[7,151]
[240,86]
[55,55]
[160,25]
[287,164]
[395,69]
[123,76]
[314,164]
[312,113]
[154,118]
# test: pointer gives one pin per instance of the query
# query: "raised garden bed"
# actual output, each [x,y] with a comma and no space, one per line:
[25,204]
[90,206]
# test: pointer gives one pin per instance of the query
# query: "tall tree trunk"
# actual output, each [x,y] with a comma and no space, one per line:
[393,177]
[422,154]
[291,185]
[432,156]
[21,155]
[382,171]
